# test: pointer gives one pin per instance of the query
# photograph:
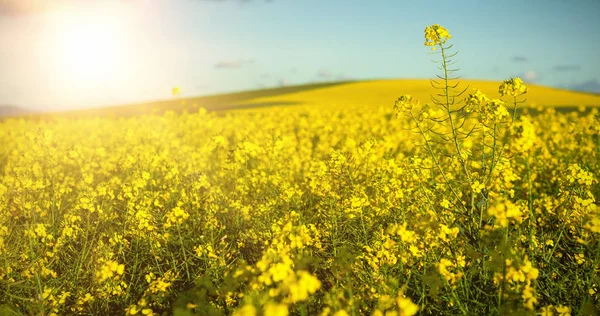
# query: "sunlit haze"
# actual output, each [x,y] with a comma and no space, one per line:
[74,54]
[91,47]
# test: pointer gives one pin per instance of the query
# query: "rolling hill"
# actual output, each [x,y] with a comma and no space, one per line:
[349,93]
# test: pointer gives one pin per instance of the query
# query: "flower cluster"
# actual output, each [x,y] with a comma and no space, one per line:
[436,35]
[512,87]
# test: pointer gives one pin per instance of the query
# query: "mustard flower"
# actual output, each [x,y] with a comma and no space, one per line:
[494,112]
[513,87]
[563,310]
[276,309]
[406,306]
[404,105]
[175,92]
[436,35]
[474,100]
[523,135]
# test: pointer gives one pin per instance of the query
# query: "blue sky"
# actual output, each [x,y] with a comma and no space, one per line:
[68,54]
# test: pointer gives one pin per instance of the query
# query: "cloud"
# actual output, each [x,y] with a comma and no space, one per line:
[283,82]
[592,85]
[233,64]
[343,77]
[519,59]
[566,68]
[324,74]
[530,76]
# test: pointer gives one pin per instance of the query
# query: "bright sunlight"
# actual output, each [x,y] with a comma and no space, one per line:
[91,44]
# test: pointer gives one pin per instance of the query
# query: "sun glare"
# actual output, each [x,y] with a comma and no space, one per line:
[91,45]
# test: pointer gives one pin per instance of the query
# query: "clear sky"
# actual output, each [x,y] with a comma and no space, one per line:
[59,54]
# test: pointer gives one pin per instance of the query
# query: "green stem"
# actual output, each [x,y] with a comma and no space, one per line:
[448,111]
[187,270]
[435,161]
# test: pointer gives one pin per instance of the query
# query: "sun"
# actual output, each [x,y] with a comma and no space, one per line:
[90,45]
[88,49]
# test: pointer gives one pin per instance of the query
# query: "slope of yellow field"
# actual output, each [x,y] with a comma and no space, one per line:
[379,93]
[385,92]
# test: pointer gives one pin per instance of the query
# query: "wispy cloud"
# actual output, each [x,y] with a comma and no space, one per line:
[566,68]
[531,76]
[519,59]
[324,73]
[233,64]
[283,82]
[343,77]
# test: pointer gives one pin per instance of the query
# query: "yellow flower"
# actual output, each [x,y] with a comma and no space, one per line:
[246,310]
[546,311]
[523,135]
[475,100]
[406,306]
[504,212]
[477,186]
[513,87]
[307,284]
[580,258]
[280,271]
[404,105]
[563,310]
[528,296]
[436,35]
[132,310]
[175,91]
[276,309]
[493,112]
[529,270]
[110,269]
[445,203]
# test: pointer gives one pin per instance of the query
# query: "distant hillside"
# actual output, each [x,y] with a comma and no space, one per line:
[9,110]
[590,86]
[347,93]
[385,92]
[217,102]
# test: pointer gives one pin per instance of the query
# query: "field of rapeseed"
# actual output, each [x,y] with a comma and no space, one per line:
[474,207]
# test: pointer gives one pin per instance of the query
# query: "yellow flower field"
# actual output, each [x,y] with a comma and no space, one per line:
[350,204]
[380,92]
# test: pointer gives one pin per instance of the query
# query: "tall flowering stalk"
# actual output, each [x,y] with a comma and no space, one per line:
[478,137]
[444,122]
[469,134]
